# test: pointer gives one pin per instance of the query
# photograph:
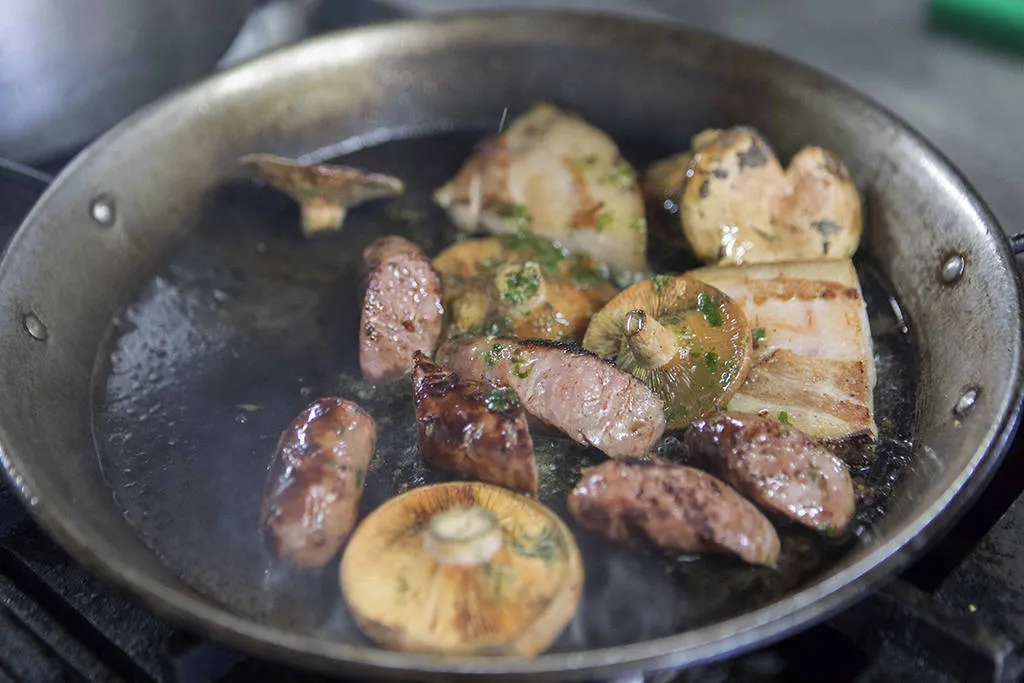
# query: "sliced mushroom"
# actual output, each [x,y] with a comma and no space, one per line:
[462,569]
[325,192]
[552,173]
[738,205]
[684,339]
[777,467]
[522,285]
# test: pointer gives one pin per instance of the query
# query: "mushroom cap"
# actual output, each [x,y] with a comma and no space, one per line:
[515,602]
[738,205]
[345,185]
[704,346]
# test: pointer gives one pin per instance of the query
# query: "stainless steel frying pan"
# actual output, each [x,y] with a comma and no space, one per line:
[161,321]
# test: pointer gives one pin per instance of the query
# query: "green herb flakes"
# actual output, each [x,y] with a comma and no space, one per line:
[603,221]
[521,285]
[359,477]
[520,368]
[493,355]
[545,252]
[584,162]
[757,334]
[585,277]
[711,361]
[784,418]
[500,398]
[660,282]
[622,174]
[638,225]
[519,213]
[709,309]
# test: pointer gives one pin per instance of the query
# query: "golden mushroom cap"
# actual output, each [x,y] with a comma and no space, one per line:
[686,340]
[462,568]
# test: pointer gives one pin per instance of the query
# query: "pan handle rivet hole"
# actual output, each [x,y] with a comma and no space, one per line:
[102,210]
[952,269]
[35,327]
[966,402]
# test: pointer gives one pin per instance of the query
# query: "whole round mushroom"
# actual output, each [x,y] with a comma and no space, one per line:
[686,340]
[462,568]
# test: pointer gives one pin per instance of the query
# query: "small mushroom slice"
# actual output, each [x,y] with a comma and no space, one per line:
[325,192]
[678,508]
[684,339]
[738,205]
[477,428]
[462,569]
[522,285]
[777,467]
[553,174]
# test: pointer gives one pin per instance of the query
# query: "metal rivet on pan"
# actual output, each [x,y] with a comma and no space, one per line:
[966,403]
[953,269]
[102,210]
[35,327]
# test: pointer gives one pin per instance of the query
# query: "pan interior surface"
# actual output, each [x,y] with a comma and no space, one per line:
[247,322]
[227,324]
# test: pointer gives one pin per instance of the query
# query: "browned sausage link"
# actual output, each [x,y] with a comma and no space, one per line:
[402,310]
[315,481]
[476,428]
[678,508]
[590,400]
[779,468]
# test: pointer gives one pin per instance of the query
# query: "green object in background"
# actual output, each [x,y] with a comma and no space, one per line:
[993,23]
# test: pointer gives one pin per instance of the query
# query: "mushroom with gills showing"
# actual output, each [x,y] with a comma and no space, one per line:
[522,285]
[462,569]
[684,339]
[325,192]
[738,205]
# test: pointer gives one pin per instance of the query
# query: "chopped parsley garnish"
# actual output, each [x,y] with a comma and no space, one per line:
[784,418]
[585,277]
[359,477]
[686,336]
[831,531]
[585,161]
[493,355]
[339,430]
[496,328]
[660,281]
[500,398]
[813,473]
[674,320]
[757,334]
[711,361]
[638,225]
[603,220]
[522,285]
[709,309]
[622,174]
[520,213]
[519,367]
[545,252]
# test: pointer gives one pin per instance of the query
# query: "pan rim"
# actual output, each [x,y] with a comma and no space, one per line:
[725,638]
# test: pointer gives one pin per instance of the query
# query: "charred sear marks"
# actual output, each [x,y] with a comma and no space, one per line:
[477,428]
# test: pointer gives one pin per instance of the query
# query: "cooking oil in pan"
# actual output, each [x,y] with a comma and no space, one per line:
[247,322]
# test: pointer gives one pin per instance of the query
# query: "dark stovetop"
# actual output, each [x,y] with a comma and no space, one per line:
[957,615]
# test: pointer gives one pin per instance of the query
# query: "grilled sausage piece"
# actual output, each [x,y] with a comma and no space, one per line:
[315,482]
[779,468]
[588,399]
[402,310]
[476,428]
[678,508]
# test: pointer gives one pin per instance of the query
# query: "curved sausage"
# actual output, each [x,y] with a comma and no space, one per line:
[315,482]
[402,310]
[589,399]
[678,508]
[779,468]
[472,427]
